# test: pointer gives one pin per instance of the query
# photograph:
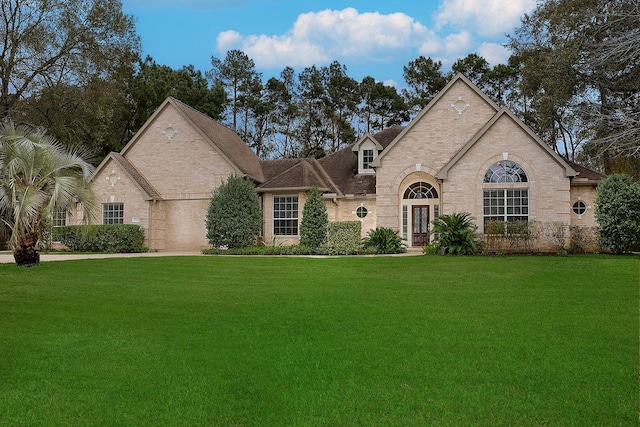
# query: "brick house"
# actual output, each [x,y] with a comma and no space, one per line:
[460,153]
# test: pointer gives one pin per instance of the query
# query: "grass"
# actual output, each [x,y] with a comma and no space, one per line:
[261,341]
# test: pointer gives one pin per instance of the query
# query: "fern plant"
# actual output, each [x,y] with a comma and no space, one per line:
[384,241]
[456,234]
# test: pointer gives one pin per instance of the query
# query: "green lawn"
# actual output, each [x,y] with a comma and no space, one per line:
[353,341]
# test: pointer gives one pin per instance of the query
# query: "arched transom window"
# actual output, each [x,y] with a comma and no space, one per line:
[421,190]
[504,172]
[508,204]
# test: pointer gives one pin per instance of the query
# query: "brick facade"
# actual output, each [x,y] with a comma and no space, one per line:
[165,176]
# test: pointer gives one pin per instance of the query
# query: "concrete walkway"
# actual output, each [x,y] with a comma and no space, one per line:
[7,257]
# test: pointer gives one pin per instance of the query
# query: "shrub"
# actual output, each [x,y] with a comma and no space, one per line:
[234,218]
[111,238]
[556,233]
[618,213]
[456,234]
[313,227]
[385,241]
[511,237]
[583,239]
[343,238]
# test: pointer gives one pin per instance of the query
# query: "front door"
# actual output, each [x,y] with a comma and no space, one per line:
[420,225]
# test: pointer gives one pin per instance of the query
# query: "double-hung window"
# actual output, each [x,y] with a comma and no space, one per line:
[367,158]
[285,215]
[58,220]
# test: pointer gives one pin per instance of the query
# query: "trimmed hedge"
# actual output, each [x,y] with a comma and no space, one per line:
[110,238]
[343,238]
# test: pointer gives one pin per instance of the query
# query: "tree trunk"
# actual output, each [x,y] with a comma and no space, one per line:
[25,251]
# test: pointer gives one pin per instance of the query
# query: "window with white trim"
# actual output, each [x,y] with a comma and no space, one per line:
[506,204]
[113,213]
[505,171]
[509,204]
[285,215]
[421,190]
[59,217]
[58,220]
[367,158]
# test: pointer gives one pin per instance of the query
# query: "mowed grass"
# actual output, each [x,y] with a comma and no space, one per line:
[353,341]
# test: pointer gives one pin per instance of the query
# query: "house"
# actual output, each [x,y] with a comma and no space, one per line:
[461,153]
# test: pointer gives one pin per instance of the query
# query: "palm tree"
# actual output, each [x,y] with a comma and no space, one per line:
[37,175]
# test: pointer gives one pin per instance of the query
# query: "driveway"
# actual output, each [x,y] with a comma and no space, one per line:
[7,257]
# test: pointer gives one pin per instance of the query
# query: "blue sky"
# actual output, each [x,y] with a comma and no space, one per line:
[375,38]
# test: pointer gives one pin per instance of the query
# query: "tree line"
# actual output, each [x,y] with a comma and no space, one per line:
[74,68]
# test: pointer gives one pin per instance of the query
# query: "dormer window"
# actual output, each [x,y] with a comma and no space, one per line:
[367,158]
[367,149]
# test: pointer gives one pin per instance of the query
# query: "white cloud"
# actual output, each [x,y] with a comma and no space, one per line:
[351,37]
[488,18]
[343,35]
[494,53]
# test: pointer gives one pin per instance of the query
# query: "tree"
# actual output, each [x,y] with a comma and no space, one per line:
[94,116]
[237,74]
[618,213]
[48,43]
[313,129]
[616,47]
[579,85]
[153,83]
[380,106]
[425,79]
[474,67]
[285,114]
[313,227]
[234,218]
[340,102]
[37,176]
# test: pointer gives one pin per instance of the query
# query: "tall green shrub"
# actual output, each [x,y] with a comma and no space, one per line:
[618,213]
[234,217]
[313,227]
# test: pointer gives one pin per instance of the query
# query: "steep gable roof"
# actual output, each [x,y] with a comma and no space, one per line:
[336,172]
[224,140]
[443,173]
[458,78]
[149,192]
[296,174]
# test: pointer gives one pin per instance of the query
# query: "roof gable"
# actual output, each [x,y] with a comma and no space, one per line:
[297,174]
[224,140]
[148,191]
[366,137]
[443,173]
[459,78]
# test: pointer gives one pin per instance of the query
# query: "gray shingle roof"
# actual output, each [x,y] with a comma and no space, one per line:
[336,173]
[226,140]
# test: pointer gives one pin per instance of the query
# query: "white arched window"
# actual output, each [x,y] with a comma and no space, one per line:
[511,202]
[421,190]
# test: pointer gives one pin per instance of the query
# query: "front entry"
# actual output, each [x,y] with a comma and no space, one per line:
[420,225]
